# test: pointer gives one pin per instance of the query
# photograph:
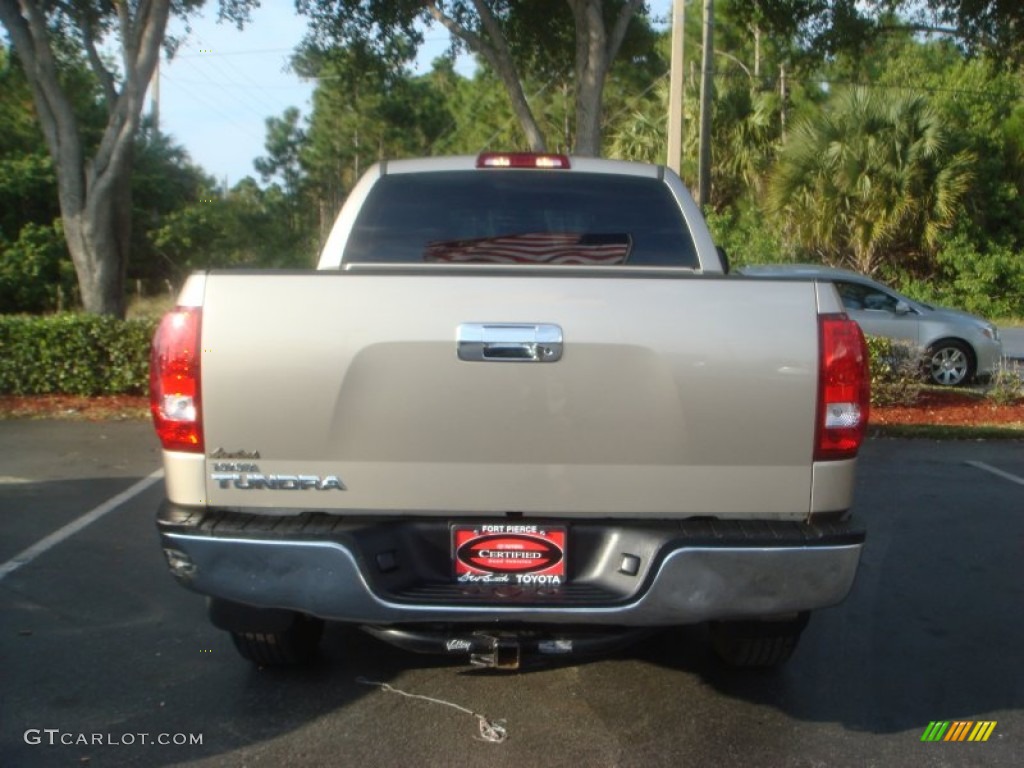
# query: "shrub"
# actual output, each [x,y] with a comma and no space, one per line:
[983,278]
[747,236]
[1006,386]
[36,274]
[74,354]
[895,371]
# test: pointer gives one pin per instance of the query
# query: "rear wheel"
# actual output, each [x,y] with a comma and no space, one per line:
[295,644]
[757,643]
[950,363]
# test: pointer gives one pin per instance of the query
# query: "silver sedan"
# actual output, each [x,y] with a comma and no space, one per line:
[959,346]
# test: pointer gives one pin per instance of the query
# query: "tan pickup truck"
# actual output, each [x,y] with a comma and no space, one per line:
[519,408]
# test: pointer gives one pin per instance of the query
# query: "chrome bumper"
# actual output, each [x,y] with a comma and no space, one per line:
[691,585]
[397,570]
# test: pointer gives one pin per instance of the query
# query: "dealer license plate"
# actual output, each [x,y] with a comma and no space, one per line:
[506,553]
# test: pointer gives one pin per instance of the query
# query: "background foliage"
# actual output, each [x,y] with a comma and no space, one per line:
[74,354]
[930,199]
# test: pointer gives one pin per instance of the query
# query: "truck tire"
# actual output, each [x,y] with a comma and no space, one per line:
[757,644]
[297,644]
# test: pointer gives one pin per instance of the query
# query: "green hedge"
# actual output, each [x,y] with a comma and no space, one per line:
[74,355]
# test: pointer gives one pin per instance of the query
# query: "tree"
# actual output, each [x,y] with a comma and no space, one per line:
[285,139]
[992,26]
[245,227]
[817,28]
[366,106]
[745,117]
[826,27]
[510,36]
[164,180]
[94,178]
[34,270]
[870,175]
[982,110]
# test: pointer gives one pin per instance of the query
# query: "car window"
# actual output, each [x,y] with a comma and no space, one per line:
[860,296]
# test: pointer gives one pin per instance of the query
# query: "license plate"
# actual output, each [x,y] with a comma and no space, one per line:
[499,553]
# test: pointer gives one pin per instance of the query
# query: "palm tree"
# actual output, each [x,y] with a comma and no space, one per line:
[868,175]
[744,137]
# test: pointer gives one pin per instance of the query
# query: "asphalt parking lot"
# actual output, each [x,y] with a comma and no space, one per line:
[102,653]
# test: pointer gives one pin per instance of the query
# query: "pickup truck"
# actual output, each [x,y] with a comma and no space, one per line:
[518,409]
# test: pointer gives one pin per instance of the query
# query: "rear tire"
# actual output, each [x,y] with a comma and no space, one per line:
[757,644]
[297,644]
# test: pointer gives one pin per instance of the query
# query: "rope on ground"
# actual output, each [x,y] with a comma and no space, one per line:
[493,731]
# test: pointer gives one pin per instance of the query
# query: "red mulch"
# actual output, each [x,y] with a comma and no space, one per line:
[952,409]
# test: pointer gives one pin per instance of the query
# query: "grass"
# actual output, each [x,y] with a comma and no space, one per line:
[1007,322]
[149,306]
[74,407]
[947,432]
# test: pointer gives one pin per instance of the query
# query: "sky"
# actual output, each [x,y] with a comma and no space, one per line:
[222,84]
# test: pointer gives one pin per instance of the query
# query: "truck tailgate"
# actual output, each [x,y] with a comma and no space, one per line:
[673,397]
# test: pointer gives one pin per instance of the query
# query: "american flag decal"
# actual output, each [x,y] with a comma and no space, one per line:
[532,248]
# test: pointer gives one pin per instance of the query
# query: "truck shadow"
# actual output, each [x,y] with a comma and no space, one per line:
[931,631]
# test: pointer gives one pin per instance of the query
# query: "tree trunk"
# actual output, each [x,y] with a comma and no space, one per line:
[590,86]
[493,46]
[98,228]
[99,255]
[520,106]
[591,68]
[596,49]
[94,193]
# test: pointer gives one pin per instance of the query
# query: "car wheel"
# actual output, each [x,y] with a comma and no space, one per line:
[950,363]
[296,644]
[757,644]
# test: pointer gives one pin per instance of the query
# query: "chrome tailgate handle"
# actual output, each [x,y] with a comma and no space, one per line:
[509,342]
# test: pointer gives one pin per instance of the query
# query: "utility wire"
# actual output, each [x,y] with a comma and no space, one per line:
[213,107]
[824,81]
[230,64]
[231,99]
[244,99]
[251,52]
[243,86]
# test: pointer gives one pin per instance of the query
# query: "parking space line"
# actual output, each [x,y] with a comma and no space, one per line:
[28,555]
[995,471]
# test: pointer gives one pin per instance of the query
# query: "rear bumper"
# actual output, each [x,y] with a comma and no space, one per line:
[624,573]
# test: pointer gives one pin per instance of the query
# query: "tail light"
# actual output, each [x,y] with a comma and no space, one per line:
[844,389]
[174,383]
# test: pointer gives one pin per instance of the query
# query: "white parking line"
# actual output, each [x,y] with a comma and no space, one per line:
[997,472]
[28,555]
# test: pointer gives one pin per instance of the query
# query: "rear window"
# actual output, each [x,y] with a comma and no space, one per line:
[521,217]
